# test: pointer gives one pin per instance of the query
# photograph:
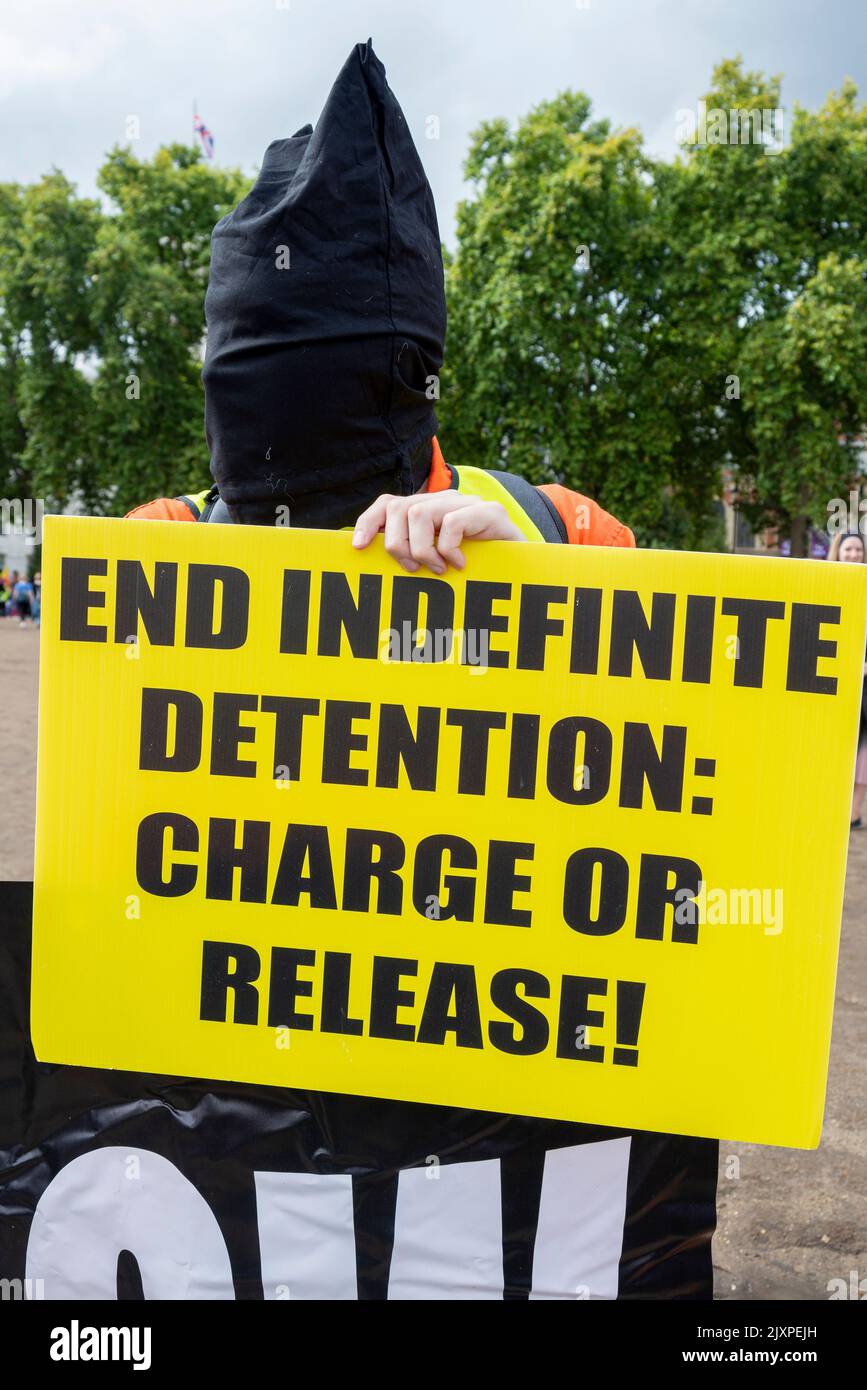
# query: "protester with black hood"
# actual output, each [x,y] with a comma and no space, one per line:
[326,326]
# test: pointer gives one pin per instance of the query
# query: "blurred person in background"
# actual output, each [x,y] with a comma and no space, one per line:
[22,592]
[849,547]
[11,607]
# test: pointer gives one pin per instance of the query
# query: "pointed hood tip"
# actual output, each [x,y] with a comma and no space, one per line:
[269,411]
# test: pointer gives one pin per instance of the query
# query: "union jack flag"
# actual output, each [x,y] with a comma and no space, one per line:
[204,135]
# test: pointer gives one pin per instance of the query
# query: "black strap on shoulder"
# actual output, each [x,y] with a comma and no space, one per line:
[539,508]
[215,508]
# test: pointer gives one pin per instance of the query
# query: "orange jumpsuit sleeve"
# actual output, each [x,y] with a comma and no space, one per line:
[161,509]
[586,523]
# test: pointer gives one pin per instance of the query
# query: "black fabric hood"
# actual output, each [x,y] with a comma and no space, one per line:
[326,316]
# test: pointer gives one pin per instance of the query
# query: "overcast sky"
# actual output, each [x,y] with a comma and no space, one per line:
[72,71]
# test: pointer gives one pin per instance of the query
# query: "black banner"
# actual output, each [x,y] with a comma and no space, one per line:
[132,1186]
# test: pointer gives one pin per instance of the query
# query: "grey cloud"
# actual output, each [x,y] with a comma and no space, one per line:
[71,74]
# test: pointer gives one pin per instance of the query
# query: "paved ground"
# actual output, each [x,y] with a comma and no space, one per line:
[789,1221]
[792,1221]
[18,676]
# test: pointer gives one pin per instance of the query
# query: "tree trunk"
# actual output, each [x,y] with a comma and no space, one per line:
[798,531]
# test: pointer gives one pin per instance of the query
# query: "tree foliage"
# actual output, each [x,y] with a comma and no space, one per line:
[640,328]
[101,330]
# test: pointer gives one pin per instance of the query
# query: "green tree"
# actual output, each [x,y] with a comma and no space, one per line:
[635,328]
[804,355]
[101,330]
[150,272]
[46,422]
[553,311]
[715,328]
[714,215]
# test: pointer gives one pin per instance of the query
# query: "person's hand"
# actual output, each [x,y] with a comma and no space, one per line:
[429,527]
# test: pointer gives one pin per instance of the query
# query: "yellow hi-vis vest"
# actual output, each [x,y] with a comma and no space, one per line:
[531,511]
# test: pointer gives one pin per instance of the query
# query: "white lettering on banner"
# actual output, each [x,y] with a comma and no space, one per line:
[102,1203]
[306,1235]
[579,1238]
[448,1238]
[448,1235]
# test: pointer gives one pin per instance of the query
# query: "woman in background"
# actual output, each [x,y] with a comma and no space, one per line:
[849,547]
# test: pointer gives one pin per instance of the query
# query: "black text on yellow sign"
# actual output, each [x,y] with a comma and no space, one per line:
[561,835]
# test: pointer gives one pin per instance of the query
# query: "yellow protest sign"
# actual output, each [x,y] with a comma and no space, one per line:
[562,835]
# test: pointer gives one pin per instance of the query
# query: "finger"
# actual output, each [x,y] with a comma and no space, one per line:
[422,537]
[484,521]
[371,521]
[397,533]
